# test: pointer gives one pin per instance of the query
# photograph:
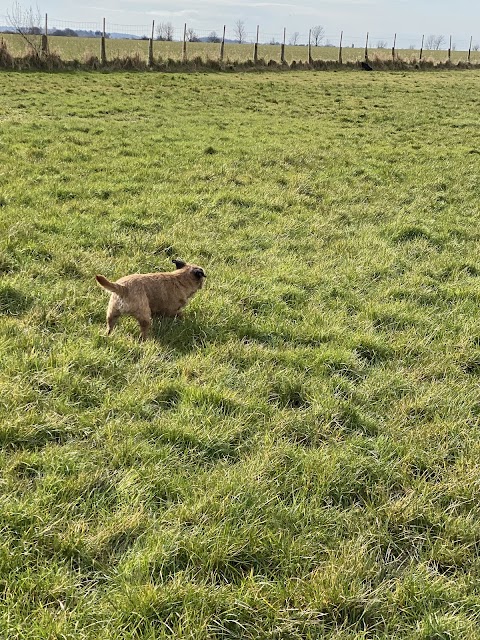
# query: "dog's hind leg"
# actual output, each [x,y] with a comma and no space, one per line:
[112,320]
[143,315]
[113,314]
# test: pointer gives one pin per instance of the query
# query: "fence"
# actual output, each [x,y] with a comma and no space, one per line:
[236,44]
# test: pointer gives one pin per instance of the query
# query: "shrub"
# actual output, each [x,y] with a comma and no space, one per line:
[6,59]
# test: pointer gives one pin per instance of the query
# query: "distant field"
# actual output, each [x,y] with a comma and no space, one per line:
[298,457]
[81,48]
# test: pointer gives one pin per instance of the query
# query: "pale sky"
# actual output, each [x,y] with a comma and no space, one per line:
[381,18]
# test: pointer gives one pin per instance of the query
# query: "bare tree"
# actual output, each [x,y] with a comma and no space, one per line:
[476,47]
[164,31]
[213,37]
[240,32]
[27,23]
[192,36]
[429,42]
[434,43]
[318,34]
[294,37]
[382,44]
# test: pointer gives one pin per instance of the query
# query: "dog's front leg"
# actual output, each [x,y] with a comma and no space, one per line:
[145,324]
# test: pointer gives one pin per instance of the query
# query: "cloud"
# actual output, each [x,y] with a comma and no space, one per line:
[184,13]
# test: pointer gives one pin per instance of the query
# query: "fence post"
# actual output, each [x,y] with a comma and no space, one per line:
[44,45]
[470,49]
[150,47]
[393,48]
[255,49]
[282,50]
[450,49]
[184,50]
[366,49]
[340,49]
[421,48]
[222,46]
[310,60]
[103,53]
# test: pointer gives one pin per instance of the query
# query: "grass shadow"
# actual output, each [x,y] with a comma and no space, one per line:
[13,302]
[186,334]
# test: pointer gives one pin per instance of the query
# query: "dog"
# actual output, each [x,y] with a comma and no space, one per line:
[144,295]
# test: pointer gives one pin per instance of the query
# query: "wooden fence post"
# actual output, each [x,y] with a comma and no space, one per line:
[255,49]
[222,46]
[470,49]
[103,52]
[310,59]
[184,50]
[450,49]
[44,45]
[393,48]
[421,48]
[282,50]
[366,49]
[150,47]
[340,49]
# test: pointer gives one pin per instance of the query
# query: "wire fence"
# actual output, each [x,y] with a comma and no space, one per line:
[180,41]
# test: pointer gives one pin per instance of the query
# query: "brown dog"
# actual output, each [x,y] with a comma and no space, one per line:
[145,294]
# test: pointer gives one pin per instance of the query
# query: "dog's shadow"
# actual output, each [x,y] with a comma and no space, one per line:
[192,331]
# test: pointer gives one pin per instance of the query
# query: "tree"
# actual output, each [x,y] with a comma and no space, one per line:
[164,31]
[294,37]
[192,36]
[476,47]
[70,33]
[381,44]
[213,37]
[318,34]
[434,43]
[239,31]
[27,23]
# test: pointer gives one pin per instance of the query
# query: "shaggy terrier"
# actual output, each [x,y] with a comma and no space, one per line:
[144,295]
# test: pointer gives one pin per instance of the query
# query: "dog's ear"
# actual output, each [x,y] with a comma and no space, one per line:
[199,273]
[179,263]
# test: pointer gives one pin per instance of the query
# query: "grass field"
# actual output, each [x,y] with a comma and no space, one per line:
[298,458]
[82,48]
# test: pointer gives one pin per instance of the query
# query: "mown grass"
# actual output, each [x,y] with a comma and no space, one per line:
[298,457]
[70,49]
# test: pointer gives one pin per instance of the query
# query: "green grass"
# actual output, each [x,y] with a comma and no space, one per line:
[83,48]
[296,458]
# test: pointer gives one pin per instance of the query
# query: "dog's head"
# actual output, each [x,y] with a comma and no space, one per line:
[193,269]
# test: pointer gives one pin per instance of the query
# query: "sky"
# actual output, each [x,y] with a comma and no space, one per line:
[381,18]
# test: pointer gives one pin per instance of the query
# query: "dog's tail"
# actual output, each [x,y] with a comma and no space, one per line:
[114,287]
